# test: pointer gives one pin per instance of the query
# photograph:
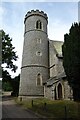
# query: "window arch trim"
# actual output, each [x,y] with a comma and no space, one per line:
[38,24]
[39,80]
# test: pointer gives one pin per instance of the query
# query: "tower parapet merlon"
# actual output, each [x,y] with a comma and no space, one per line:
[35,12]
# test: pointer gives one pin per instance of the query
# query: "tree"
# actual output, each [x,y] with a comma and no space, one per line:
[8,56]
[8,53]
[15,85]
[71,59]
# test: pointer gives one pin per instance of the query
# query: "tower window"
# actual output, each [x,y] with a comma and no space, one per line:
[38,53]
[38,24]
[39,79]
[38,40]
[59,91]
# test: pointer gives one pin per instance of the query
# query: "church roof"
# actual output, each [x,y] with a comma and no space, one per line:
[57,45]
[55,79]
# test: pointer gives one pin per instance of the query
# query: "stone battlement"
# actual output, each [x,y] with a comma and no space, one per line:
[35,12]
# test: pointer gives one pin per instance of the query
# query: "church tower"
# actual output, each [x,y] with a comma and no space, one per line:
[34,70]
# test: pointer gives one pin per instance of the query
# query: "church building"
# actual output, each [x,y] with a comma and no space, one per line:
[42,72]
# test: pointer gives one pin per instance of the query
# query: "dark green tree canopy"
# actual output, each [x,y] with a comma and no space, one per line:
[71,58]
[8,53]
[8,58]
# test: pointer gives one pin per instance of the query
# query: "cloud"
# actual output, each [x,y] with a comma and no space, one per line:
[16,34]
[24,0]
[79,11]
[57,30]
[1,15]
[39,0]
[12,24]
[13,18]
[60,23]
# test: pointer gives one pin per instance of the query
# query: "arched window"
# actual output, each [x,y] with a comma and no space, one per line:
[55,96]
[38,24]
[39,79]
[59,91]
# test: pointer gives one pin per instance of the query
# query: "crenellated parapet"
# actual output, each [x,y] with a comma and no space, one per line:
[34,69]
[35,12]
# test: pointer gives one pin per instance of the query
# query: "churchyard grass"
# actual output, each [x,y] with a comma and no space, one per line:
[50,108]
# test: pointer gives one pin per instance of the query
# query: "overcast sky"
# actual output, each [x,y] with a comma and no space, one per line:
[61,15]
[79,11]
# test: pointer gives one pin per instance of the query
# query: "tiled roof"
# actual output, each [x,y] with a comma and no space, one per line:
[55,79]
[57,45]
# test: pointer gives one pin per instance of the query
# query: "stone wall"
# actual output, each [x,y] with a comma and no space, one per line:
[35,55]
[52,91]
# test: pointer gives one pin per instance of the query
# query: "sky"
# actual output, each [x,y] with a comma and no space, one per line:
[79,11]
[61,15]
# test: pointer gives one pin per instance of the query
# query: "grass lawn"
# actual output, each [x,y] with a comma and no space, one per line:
[53,109]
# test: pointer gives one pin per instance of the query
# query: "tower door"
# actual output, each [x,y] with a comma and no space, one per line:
[59,91]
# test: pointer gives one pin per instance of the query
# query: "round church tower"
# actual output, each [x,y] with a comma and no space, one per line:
[34,70]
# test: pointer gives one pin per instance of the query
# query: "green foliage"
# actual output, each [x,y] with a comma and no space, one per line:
[6,76]
[8,53]
[53,109]
[15,85]
[10,84]
[6,81]
[7,86]
[71,58]
[8,58]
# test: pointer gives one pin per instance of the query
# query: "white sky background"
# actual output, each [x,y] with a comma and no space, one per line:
[79,11]
[61,15]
